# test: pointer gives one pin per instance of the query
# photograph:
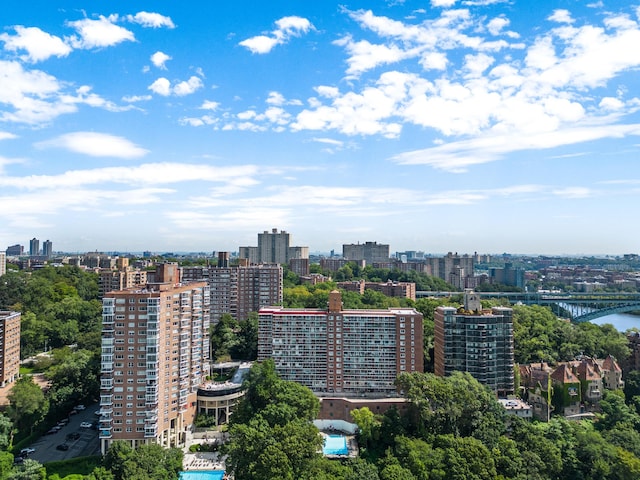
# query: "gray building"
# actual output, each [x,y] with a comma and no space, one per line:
[34,247]
[47,249]
[477,341]
[273,247]
[370,252]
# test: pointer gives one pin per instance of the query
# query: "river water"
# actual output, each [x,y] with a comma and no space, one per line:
[622,321]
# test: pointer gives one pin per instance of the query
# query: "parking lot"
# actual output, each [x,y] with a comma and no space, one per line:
[86,444]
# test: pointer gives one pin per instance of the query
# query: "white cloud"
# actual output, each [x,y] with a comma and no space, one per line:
[329,141]
[209,105]
[95,145]
[443,3]
[7,135]
[456,157]
[32,96]
[611,103]
[136,98]
[364,56]
[39,45]
[573,192]
[260,44]
[148,174]
[287,27]
[161,86]
[150,19]
[98,33]
[496,25]
[159,59]
[561,16]
[198,121]
[188,87]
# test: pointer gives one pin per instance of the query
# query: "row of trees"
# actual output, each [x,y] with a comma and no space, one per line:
[454,429]
[59,307]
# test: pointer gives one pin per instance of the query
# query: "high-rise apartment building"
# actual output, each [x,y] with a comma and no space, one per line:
[34,247]
[273,247]
[121,278]
[155,354]
[47,248]
[239,290]
[477,341]
[3,263]
[9,347]
[346,352]
[370,252]
[457,270]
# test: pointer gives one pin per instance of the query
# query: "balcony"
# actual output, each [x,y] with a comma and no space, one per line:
[150,431]
[106,383]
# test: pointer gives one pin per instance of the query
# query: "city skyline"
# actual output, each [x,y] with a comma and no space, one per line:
[450,125]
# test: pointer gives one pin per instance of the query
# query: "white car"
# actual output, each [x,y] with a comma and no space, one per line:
[79,408]
[85,425]
[27,451]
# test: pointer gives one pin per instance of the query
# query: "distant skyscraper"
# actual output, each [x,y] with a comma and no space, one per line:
[457,270]
[47,248]
[476,341]
[273,247]
[342,351]
[3,263]
[10,343]
[15,250]
[370,252]
[34,247]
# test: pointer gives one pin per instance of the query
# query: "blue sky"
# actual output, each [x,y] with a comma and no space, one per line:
[444,125]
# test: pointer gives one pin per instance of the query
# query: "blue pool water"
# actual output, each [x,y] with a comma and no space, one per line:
[202,475]
[335,445]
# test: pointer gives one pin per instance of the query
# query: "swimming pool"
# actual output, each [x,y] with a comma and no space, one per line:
[335,445]
[202,475]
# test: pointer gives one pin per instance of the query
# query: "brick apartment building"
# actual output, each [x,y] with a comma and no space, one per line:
[342,352]
[155,354]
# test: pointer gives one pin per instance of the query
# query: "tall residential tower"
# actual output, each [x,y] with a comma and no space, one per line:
[155,354]
[477,341]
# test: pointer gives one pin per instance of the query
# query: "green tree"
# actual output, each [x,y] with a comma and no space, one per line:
[29,470]
[368,426]
[457,405]
[6,464]
[27,404]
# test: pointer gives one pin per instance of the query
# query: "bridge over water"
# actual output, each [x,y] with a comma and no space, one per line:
[581,307]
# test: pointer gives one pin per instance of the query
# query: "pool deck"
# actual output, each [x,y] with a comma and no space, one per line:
[203,461]
[352,445]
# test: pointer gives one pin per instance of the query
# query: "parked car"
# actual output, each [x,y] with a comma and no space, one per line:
[79,408]
[63,446]
[27,451]
[85,425]
[97,413]
[18,460]
[53,430]
[63,422]
[73,436]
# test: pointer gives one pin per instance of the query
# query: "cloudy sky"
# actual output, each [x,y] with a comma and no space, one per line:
[444,125]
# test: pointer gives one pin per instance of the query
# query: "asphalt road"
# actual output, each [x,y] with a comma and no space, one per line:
[87,444]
